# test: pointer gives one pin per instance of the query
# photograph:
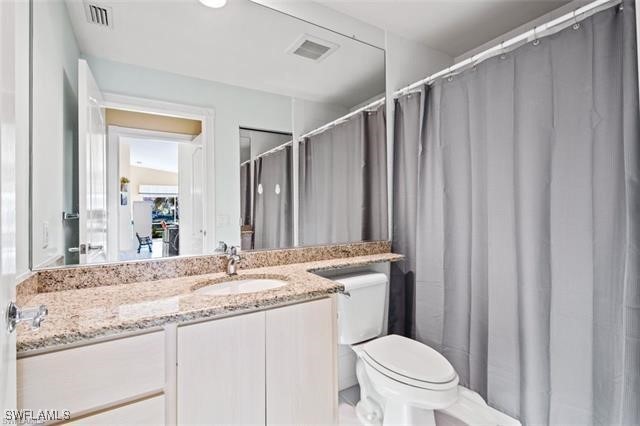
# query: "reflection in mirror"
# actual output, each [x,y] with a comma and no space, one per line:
[267,200]
[343,181]
[140,122]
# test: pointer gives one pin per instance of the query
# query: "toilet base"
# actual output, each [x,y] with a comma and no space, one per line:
[469,410]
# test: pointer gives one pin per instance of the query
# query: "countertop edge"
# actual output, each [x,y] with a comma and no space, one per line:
[146,325]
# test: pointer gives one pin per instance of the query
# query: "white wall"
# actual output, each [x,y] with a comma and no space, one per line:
[234,107]
[55,64]
[125,213]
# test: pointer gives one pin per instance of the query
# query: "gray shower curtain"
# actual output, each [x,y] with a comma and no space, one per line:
[520,219]
[273,217]
[343,182]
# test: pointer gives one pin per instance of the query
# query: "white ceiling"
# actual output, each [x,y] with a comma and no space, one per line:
[450,26]
[153,154]
[243,44]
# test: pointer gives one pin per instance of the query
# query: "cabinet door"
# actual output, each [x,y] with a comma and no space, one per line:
[221,371]
[301,364]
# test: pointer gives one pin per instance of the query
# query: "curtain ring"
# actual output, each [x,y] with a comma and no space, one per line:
[576,24]
[502,54]
[536,41]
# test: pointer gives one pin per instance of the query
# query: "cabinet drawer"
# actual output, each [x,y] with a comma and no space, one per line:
[87,377]
[147,412]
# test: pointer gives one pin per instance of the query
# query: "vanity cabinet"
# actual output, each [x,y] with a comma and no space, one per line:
[276,367]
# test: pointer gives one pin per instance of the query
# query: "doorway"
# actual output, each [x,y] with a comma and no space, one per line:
[156,191]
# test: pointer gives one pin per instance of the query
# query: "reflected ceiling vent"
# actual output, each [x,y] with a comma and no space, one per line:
[98,14]
[313,48]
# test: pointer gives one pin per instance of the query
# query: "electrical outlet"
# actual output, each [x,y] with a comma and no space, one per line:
[45,235]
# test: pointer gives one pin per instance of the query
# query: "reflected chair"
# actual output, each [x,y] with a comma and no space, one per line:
[144,241]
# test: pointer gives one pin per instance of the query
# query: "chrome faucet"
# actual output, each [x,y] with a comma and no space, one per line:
[222,247]
[15,315]
[233,261]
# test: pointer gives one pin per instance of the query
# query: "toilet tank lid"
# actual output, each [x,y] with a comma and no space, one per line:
[360,279]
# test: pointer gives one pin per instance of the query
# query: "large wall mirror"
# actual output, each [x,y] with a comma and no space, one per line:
[161,128]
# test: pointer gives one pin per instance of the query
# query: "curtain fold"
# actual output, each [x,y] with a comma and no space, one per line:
[245,193]
[273,217]
[520,224]
[343,182]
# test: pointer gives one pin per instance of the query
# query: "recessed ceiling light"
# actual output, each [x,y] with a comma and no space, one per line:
[216,4]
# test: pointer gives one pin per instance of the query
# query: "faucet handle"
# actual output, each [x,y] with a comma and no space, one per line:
[233,251]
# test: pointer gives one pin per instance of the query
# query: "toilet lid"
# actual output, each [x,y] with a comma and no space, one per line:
[410,359]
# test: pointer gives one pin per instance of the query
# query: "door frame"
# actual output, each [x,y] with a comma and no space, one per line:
[207,117]
[114,133]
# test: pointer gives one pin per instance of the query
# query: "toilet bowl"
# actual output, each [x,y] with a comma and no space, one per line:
[402,381]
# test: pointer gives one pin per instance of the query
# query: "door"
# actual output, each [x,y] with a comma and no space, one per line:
[11,21]
[190,197]
[221,372]
[197,194]
[301,351]
[92,168]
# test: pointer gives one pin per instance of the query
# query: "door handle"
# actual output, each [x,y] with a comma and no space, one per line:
[15,315]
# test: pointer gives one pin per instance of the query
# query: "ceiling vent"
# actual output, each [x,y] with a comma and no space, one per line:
[99,15]
[313,48]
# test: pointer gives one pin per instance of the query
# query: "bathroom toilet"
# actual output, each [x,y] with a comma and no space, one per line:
[402,381]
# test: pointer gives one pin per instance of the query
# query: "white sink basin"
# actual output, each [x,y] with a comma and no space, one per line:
[251,285]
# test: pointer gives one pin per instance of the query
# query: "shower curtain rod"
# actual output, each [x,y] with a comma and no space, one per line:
[276,149]
[337,121]
[554,25]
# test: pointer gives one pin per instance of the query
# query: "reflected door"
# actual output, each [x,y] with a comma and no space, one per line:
[191,205]
[92,185]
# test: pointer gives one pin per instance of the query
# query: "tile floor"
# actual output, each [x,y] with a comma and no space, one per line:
[347,400]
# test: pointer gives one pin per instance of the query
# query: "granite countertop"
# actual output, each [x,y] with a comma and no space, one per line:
[81,315]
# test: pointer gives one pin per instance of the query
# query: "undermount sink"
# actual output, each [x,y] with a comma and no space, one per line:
[240,286]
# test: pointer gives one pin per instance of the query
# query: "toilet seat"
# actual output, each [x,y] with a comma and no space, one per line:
[409,362]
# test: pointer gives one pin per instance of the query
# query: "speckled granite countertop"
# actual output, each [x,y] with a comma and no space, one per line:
[81,315]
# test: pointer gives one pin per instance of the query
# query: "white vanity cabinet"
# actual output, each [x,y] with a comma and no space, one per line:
[272,367]
[276,366]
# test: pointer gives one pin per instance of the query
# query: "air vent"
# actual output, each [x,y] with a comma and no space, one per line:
[313,48]
[99,15]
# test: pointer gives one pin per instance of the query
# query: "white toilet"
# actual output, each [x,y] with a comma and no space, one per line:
[402,381]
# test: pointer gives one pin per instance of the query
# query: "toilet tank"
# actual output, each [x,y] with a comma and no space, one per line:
[361,312]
